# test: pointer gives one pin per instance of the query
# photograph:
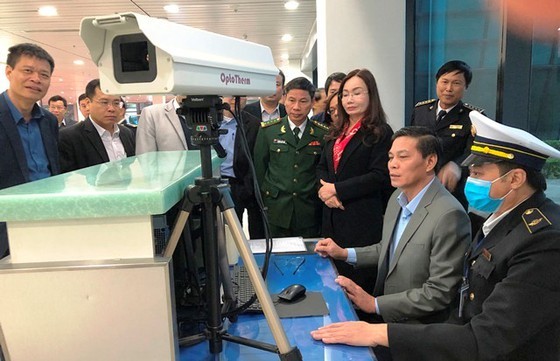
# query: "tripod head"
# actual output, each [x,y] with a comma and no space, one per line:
[204,115]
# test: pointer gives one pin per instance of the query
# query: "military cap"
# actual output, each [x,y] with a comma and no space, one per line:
[497,142]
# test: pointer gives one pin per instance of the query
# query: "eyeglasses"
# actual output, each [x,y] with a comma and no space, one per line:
[354,94]
[106,103]
[332,110]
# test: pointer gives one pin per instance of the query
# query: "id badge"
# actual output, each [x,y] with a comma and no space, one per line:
[463,296]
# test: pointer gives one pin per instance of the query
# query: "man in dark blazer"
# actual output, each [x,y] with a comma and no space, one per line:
[28,134]
[419,259]
[269,107]
[510,292]
[236,169]
[448,116]
[98,139]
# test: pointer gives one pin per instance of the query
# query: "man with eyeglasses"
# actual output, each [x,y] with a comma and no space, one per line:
[28,134]
[58,106]
[98,139]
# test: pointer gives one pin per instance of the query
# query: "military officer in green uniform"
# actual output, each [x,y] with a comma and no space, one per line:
[286,154]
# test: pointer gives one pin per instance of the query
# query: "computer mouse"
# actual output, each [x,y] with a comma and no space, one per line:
[292,293]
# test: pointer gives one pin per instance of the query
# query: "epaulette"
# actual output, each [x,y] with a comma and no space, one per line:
[472,107]
[320,125]
[535,220]
[270,122]
[424,102]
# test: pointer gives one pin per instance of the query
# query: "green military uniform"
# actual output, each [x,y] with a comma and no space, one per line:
[286,172]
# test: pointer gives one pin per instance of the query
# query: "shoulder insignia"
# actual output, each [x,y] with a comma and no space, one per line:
[535,220]
[270,122]
[472,107]
[429,101]
[320,125]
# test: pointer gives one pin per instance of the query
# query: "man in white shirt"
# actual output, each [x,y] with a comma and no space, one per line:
[98,139]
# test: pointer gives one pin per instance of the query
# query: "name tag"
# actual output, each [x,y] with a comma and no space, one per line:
[456,126]
[278,141]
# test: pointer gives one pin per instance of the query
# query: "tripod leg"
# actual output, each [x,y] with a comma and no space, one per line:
[176,233]
[259,285]
[227,284]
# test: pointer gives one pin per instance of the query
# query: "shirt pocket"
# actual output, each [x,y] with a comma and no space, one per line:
[279,148]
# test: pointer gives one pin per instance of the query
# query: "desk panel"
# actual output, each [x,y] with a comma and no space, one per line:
[317,274]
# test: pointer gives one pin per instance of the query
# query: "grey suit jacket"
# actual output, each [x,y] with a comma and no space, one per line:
[425,271]
[159,129]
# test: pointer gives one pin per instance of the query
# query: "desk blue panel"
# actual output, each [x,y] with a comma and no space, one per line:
[317,274]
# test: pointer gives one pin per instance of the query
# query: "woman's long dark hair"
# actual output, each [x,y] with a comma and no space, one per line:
[374,121]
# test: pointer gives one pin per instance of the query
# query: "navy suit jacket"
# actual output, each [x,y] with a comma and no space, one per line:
[255,110]
[80,145]
[13,163]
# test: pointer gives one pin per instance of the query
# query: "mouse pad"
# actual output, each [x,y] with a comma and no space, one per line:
[312,304]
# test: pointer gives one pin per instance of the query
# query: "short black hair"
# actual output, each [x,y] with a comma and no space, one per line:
[281,73]
[91,86]
[56,98]
[428,142]
[302,84]
[15,53]
[456,66]
[338,77]
[535,178]
[82,97]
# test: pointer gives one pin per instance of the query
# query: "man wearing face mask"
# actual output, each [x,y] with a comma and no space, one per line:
[510,292]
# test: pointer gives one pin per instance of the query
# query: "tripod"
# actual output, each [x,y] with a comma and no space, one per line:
[210,193]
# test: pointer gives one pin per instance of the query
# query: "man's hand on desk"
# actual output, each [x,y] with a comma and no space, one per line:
[328,248]
[356,294]
[354,333]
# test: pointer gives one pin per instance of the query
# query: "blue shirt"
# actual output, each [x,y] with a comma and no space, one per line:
[30,134]
[228,142]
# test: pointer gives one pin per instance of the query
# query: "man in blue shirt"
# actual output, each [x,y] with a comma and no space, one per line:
[28,134]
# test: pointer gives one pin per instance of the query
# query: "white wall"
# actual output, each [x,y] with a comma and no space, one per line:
[365,34]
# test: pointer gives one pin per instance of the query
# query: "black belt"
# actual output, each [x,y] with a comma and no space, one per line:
[232,180]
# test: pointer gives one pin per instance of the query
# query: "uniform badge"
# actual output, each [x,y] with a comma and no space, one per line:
[486,254]
[283,129]
[311,131]
[535,220]
[456,126]
[314,143]
[279,141]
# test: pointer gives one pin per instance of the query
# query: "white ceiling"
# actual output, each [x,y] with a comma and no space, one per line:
[260,21]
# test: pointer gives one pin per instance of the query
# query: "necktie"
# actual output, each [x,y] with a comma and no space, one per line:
[442,113]
[296,134]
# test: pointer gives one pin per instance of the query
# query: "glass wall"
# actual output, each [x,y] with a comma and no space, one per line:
[457,30]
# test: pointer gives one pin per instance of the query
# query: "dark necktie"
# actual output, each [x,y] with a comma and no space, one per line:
[296,134]
[442,113]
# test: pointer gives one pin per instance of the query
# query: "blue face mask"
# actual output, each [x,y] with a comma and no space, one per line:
[477,192]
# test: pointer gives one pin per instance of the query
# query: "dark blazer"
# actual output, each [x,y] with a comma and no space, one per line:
[361,181]
[454,131]
[68,123]
[80,145]
[13,163]
[255,110]
[241,166]
[511,307]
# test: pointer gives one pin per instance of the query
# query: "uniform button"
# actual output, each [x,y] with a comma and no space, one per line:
[267,193]
[453,135]
[295,165]
[471,296]
[473,262]
[278,150]
[297,151]
[294,194]
[295,180]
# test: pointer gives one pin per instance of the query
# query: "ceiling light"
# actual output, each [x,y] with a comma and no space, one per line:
[171,8]
[78,62]
[48,11]
[285,56]
[291,5]
[287,37]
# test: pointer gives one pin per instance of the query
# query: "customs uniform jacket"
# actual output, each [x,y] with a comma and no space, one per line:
[512,304]
[286,172]
[453,131]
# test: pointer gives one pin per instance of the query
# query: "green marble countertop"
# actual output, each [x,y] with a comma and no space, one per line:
[147,184]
